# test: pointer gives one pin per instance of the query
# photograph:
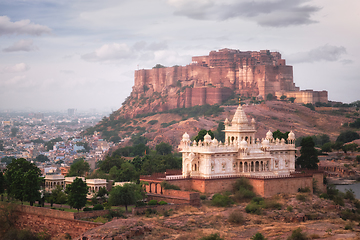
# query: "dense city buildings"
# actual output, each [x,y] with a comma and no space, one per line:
[51,140]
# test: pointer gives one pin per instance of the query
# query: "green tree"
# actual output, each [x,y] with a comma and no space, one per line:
[78,168]
[327,147]
[269,97]
[202,134]
[14,131]
[58,195]
[283,97]
[278,134]
[337,145]
[351,147]
[356,123]
[125,195]
[347,136]
[258,236]
[2,184]
[292,99]
[310,106]
[309,156]
[86,146]
[220,134]
[110,162]
[214,236]
[7,160]
[23,180]
[163,148]
[41,158]
[77,192]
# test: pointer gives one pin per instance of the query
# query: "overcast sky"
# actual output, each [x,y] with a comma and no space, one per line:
[82,54]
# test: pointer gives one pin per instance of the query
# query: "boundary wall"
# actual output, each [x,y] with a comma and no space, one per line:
[54,222]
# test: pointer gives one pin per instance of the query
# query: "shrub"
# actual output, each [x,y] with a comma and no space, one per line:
[272,204]
[349,194]
[86,209]
[289,208]
[98,207]
[236,217]
[162,203]
[115,213]
[152,122]
[258,236]
[243,194]
[253,208]
[301,197]
[348,227]
[297,235]
[167,185]
[100,220]
[304,190]
[214,236]
[338,200]
[221,200]
[140,203]
[202,197]
[153,202]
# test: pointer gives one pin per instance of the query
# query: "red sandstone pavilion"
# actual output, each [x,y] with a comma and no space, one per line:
[212,79]
[210,166]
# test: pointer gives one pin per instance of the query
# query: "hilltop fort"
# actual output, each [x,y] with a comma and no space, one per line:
[214,78]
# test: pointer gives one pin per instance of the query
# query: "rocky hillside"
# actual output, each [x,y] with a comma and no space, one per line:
[317,218]
[169,126]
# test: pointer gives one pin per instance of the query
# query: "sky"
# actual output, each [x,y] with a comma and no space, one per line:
[82,54]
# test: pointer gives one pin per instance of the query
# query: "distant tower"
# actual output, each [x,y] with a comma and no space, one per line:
[71,111]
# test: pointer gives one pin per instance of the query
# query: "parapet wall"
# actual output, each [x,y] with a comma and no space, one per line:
[54,222]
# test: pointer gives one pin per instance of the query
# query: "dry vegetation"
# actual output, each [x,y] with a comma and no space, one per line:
[316,217]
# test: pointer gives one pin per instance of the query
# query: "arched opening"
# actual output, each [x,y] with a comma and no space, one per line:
[261,166]
[232,139]
[252,167]
[257,166]
[240,167]
[246,168]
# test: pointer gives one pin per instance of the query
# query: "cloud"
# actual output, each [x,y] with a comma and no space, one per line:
[21,27]
[324,53]
[121,51]
[14,81]
[109,52]
[22,45]
[276,13]
[17,68]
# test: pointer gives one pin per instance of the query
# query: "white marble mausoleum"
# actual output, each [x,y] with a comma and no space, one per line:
[240,155]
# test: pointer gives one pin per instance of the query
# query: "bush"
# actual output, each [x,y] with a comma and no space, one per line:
[140,203]
[253,208]
[86,209]
[98,207]
[349,194]
[167,185]
[301,197]
[338,200]
[214,236]
[236,217]
[162,203]
[289,208]
[297,235]
[202,197]
[221,200]
[153,202]
[304,190]
[348,227]
[243,194]
[152,122]
[258,236]
[272,204]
